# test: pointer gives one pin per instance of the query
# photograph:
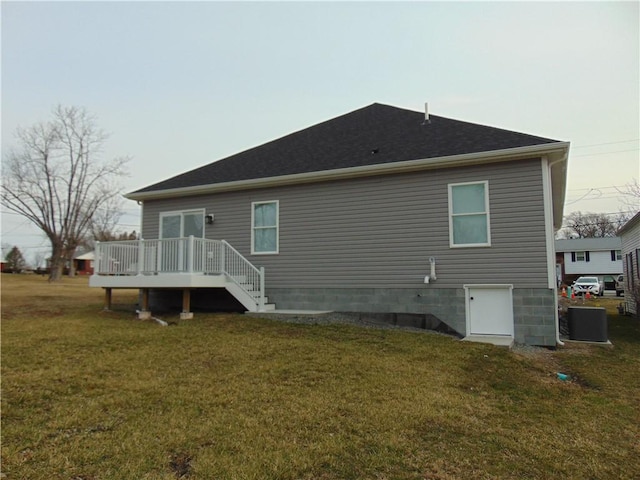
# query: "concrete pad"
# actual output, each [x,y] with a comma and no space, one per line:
[186,315]
[144,315]
[294,312]
[499,340]
[604,344]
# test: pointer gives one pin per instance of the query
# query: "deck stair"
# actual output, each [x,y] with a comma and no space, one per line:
[181,263]
[241,289]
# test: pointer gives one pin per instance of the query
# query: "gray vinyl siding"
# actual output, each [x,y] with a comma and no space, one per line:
[631,246]
[379,231]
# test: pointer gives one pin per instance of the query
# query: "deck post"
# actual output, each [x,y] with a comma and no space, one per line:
[144,314]
[140,256]
[97,267]
[261,301]
[107,299]
[223,250]
[190,254]
[186,314]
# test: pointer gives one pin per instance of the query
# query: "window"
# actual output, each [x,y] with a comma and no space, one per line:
[469,215]
[580,256]
[264,227]
[616,255]
[182,224]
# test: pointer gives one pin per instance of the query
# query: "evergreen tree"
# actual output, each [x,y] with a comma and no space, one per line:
[15,261]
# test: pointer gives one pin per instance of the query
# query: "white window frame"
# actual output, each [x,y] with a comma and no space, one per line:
[276,226]
[581,256]
[486,213]
[182,213]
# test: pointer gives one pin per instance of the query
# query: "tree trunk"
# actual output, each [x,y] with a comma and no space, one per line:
[69,254]
[55,273]
[57,263]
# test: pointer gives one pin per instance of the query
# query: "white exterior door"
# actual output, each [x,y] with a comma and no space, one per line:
[489,309]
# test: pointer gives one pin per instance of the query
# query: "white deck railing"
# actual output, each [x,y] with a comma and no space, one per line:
[189,255]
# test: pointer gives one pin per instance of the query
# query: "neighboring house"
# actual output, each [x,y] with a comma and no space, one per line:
[83,263]
[381,210]
[630,235]
[601,257]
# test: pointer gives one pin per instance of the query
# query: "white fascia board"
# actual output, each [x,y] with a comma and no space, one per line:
[549,149]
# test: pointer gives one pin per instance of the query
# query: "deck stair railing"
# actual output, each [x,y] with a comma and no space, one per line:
[188,255]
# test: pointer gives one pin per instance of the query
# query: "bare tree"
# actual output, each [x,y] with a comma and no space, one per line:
[108,236]
[57,180]
[631,194]
[593,225]
[104,222]
[39,259]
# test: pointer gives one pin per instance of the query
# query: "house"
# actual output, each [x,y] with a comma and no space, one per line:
[83,263]
[380,210]
[630,235]
[601,257]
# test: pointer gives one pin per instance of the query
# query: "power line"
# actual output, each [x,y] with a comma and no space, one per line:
[607,143]
[9,212]
[31,247]
[597,195]
[605,153]
[581,198]
[609,214]
[596,188]
[18,234]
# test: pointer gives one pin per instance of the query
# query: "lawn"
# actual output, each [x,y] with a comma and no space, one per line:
[89,395]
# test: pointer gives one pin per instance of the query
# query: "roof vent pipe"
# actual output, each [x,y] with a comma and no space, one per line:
[426,113]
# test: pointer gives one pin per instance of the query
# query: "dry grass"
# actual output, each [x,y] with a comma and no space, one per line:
[98,395]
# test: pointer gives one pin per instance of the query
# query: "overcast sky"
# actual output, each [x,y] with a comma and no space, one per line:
[179,85]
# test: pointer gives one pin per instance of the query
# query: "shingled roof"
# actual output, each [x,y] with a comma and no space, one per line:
[373,135]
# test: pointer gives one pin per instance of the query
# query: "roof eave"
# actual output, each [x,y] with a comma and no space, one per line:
[549,149]
[635,220]
[558,169]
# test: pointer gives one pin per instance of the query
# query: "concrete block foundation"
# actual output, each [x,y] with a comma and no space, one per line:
[534,309]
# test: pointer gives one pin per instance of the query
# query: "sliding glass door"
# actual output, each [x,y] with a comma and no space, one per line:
[173,227]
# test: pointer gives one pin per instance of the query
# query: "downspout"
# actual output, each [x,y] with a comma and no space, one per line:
[550,187]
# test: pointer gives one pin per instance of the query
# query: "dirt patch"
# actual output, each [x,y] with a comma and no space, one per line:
[180,464]
[552,369]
